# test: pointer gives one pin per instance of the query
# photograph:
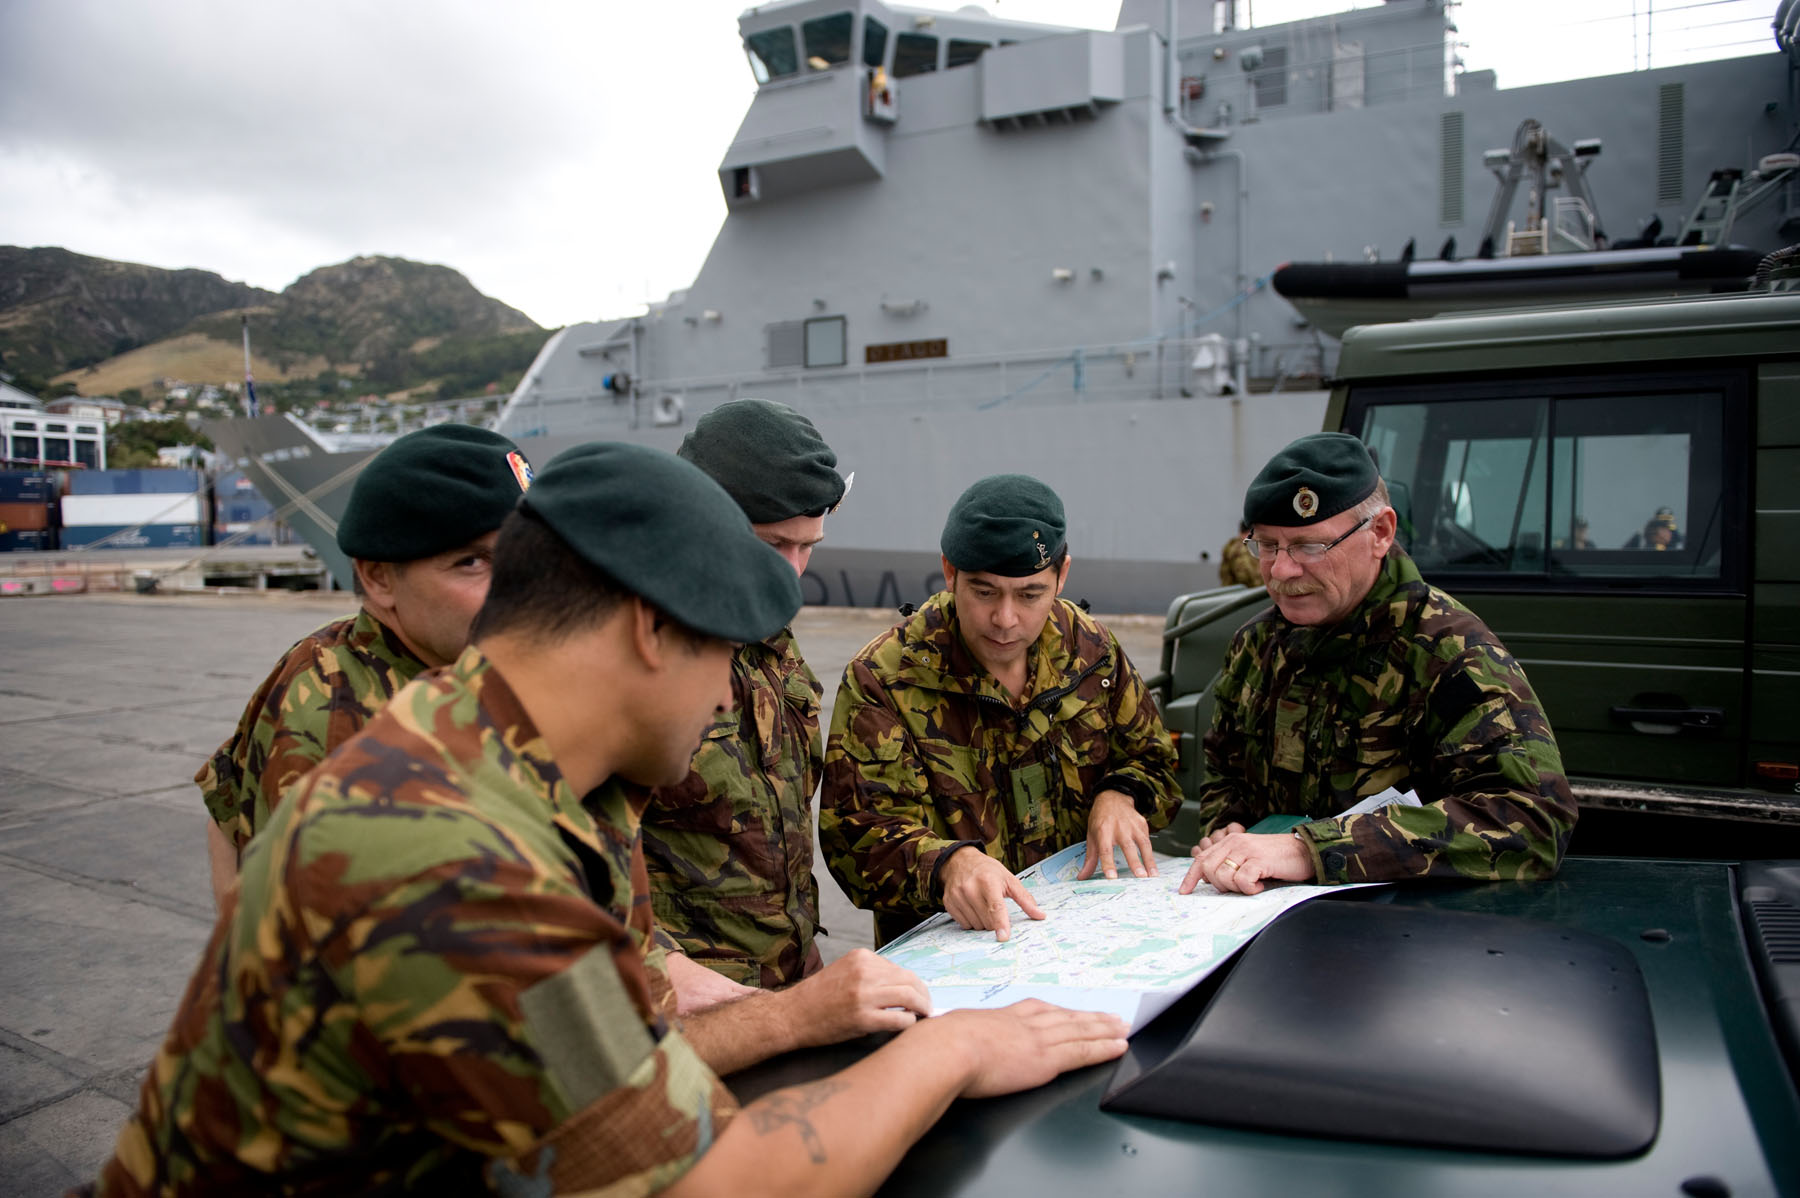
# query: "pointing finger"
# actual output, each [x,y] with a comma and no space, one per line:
[1022,896]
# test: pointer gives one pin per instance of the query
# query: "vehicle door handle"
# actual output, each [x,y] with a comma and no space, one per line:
[1700,719]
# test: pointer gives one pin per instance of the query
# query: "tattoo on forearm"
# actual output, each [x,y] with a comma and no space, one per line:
[783,1107]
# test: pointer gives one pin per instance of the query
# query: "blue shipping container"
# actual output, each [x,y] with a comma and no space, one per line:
[134,482]
[27,486]
[150,536]
[41,539]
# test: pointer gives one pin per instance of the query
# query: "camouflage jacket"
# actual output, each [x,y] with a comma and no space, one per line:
[1410,691]
[319,695]
[730,850]
[928,753]
[430,977]
[1236,566]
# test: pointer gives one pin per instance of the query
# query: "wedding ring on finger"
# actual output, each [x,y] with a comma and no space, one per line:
[1233,864]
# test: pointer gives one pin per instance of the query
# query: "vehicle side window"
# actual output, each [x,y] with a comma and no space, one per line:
[1548,482]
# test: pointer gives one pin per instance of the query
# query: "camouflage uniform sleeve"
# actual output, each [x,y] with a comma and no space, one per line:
[1505,812]
[1226,796]
[875,812]
[519,1019]
[282,735]
[1141,745]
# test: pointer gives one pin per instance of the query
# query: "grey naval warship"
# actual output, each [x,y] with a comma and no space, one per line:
[963,245]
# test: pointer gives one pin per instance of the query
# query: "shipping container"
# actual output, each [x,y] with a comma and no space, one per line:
[25,517]
[11,542]
[139,508]
[134,482]
[27,486]
[149,536]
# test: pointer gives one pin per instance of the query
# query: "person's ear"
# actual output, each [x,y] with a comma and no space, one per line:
[949,573]
[378,579]
[650,633]
[1062,574]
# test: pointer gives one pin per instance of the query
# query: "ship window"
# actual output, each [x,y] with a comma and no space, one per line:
[772,53]
[874,42]
[827,40]
[1271,80]
[30,424]
[1615,486]
[88,454]
[825,341]
[786,343]
[914,54]
[56,449]
[25,447]
[961,53]
[56,428]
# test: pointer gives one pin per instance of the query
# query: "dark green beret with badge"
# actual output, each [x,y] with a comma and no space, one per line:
[1313,479]
[432,491]
[768,457]
[663,530]
[1007,524]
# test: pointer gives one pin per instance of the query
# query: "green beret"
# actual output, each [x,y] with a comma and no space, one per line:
[1007,524]
[1313,479]
[431,491]
[666,532]
[768,457]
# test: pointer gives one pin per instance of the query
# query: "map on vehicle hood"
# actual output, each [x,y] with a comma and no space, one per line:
[1128,946]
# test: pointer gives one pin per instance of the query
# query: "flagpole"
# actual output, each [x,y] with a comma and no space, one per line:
[249,383]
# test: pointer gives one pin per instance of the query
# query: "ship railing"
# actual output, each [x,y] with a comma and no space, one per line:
[1112,373]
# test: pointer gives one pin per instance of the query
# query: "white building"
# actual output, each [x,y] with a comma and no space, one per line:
[37,439]
[12,397]
[83,407]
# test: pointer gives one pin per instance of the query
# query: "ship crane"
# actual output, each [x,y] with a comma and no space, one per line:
[1547,163]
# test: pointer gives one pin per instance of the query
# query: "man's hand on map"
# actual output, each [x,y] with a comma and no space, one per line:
[1114,820]
[1232,860]
[697,987]
[858,993]
[1028,1043]
[976,888]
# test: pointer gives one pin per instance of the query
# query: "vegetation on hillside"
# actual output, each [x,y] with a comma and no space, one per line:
[377,326]
[133,444]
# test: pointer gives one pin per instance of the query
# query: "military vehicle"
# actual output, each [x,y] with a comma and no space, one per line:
[1630,1027]
[1529,455]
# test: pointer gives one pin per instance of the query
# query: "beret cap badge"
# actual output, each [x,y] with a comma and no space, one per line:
[1306,502]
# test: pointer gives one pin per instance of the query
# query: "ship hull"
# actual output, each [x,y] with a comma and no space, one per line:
[1153,489]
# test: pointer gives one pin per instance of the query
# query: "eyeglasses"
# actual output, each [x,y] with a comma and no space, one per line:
[1301,551]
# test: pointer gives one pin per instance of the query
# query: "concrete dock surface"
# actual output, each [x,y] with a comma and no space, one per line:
[109,703]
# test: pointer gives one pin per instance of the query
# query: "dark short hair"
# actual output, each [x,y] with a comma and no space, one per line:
[540,587]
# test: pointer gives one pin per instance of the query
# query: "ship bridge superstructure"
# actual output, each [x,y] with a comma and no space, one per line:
[944,227]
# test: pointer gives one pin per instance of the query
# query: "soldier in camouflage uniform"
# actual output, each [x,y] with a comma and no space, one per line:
[432,978]
[730,849]
[1237,565]
[998,725]
[419,529]
[1362,677]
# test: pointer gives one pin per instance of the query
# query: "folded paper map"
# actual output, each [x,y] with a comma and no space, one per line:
[1129,946]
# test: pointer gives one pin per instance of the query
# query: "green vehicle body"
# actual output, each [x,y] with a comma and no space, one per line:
[1672,678]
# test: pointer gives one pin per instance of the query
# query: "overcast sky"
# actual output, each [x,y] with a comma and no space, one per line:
[560,153]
